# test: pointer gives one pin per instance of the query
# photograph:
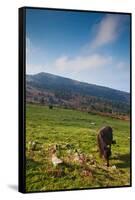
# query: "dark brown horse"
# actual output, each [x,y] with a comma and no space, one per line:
[104,141]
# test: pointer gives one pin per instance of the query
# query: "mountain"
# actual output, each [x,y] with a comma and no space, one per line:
[64,91]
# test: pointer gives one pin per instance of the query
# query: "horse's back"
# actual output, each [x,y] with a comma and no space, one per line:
[107,135]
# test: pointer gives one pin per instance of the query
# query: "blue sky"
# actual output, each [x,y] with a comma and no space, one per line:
[86,46]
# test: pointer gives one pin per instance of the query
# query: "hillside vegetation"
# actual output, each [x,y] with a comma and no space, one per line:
[47,89]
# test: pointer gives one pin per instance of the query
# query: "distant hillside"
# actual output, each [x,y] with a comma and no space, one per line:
[51,89]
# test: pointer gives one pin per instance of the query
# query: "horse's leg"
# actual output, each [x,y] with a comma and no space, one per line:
[99,147]
[107,162]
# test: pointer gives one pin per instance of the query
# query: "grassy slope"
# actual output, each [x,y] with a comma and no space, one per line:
[61,126]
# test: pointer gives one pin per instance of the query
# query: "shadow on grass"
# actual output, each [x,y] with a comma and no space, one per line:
[32,164]
[124,160]
[70,166]
[105,175]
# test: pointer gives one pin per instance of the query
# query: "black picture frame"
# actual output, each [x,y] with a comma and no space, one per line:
[22,98]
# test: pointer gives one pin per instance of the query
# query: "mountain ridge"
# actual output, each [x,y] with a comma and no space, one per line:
[53,75]
[53,82]
[48,89]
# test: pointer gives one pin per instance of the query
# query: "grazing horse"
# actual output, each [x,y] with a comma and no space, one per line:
[104,141]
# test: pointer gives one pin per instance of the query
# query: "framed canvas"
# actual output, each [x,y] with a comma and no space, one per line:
[74,99]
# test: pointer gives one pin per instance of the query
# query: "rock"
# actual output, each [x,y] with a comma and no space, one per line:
[76,157]
[82,158]
[93,123]
[33,145]
[92,162]
[29,145]
[69,151]
[56,161]
[91,156]
[113,167]
[87,173]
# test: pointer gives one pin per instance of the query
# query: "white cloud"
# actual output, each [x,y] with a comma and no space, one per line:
[32,56]
[28,43]
[107,30]
[34,69]
[81,63]
[123,65]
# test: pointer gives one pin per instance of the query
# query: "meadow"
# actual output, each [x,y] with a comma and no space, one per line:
[71,131]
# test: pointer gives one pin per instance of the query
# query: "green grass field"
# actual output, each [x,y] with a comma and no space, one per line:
[73,130]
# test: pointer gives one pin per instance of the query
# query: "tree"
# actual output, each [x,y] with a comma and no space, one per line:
[50,106]
[42,101]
